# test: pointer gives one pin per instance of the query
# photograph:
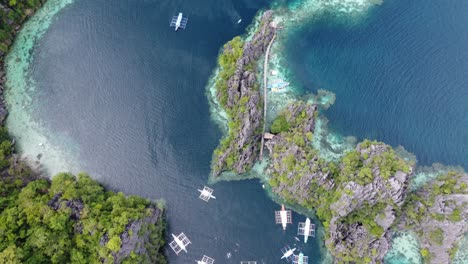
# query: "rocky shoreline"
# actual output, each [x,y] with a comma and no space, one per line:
[366,197]
[14,27]
[240,97]
[361,199]
[438,215]
[140,241]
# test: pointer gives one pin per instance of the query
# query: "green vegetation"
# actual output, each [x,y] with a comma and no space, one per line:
[437,236]
[279,125]
[426,255]
[68,220]
[366,216]
[236,108]
[294,159]
[421,207]
[358,167]
[418,203]
[12,14]
[232,51]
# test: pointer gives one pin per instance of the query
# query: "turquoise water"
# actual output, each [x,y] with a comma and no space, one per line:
[399,75]
[112,90]
[115,92]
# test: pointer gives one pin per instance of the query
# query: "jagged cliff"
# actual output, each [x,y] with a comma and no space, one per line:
[367,208]
[294,166]
[238,93]
[364,197]
[438,214]
[360,199]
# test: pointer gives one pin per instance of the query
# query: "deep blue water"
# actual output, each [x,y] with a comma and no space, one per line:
[399,74]
[130,93]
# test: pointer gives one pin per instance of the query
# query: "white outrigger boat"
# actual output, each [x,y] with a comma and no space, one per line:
[205,260]
[306,229]
[300,259]
[283,217]
[179,243]
[206,194]
[179,21]
[288,253]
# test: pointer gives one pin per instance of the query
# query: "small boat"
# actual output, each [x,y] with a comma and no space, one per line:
[300,259]
[306,229]
[288,253]
[283,217]
[238,21]
[278,86]
[179,21]
[206,194]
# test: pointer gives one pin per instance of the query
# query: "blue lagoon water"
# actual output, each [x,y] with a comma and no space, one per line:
[399,75]
[123,97]
[110,89]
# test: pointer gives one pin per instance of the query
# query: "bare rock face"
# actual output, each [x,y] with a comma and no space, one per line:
[438,213]
[133,240]
[76,206]
[351,236]
[243,85]
[284,152]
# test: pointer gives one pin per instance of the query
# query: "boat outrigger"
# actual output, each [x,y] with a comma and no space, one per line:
[179,22]
[206,194]
[283,217]
[205,260]
[306,229]
[288,253]
[179,243]
[300,259]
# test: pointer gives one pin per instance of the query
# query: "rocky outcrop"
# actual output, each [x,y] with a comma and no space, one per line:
[438,214]
[358,199]
[76,206]
[292,159]
[136,237]
[3,111]
[367,236]
[244,103]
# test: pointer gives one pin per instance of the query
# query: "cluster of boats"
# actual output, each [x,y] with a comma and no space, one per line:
[283,217]
[306,229]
